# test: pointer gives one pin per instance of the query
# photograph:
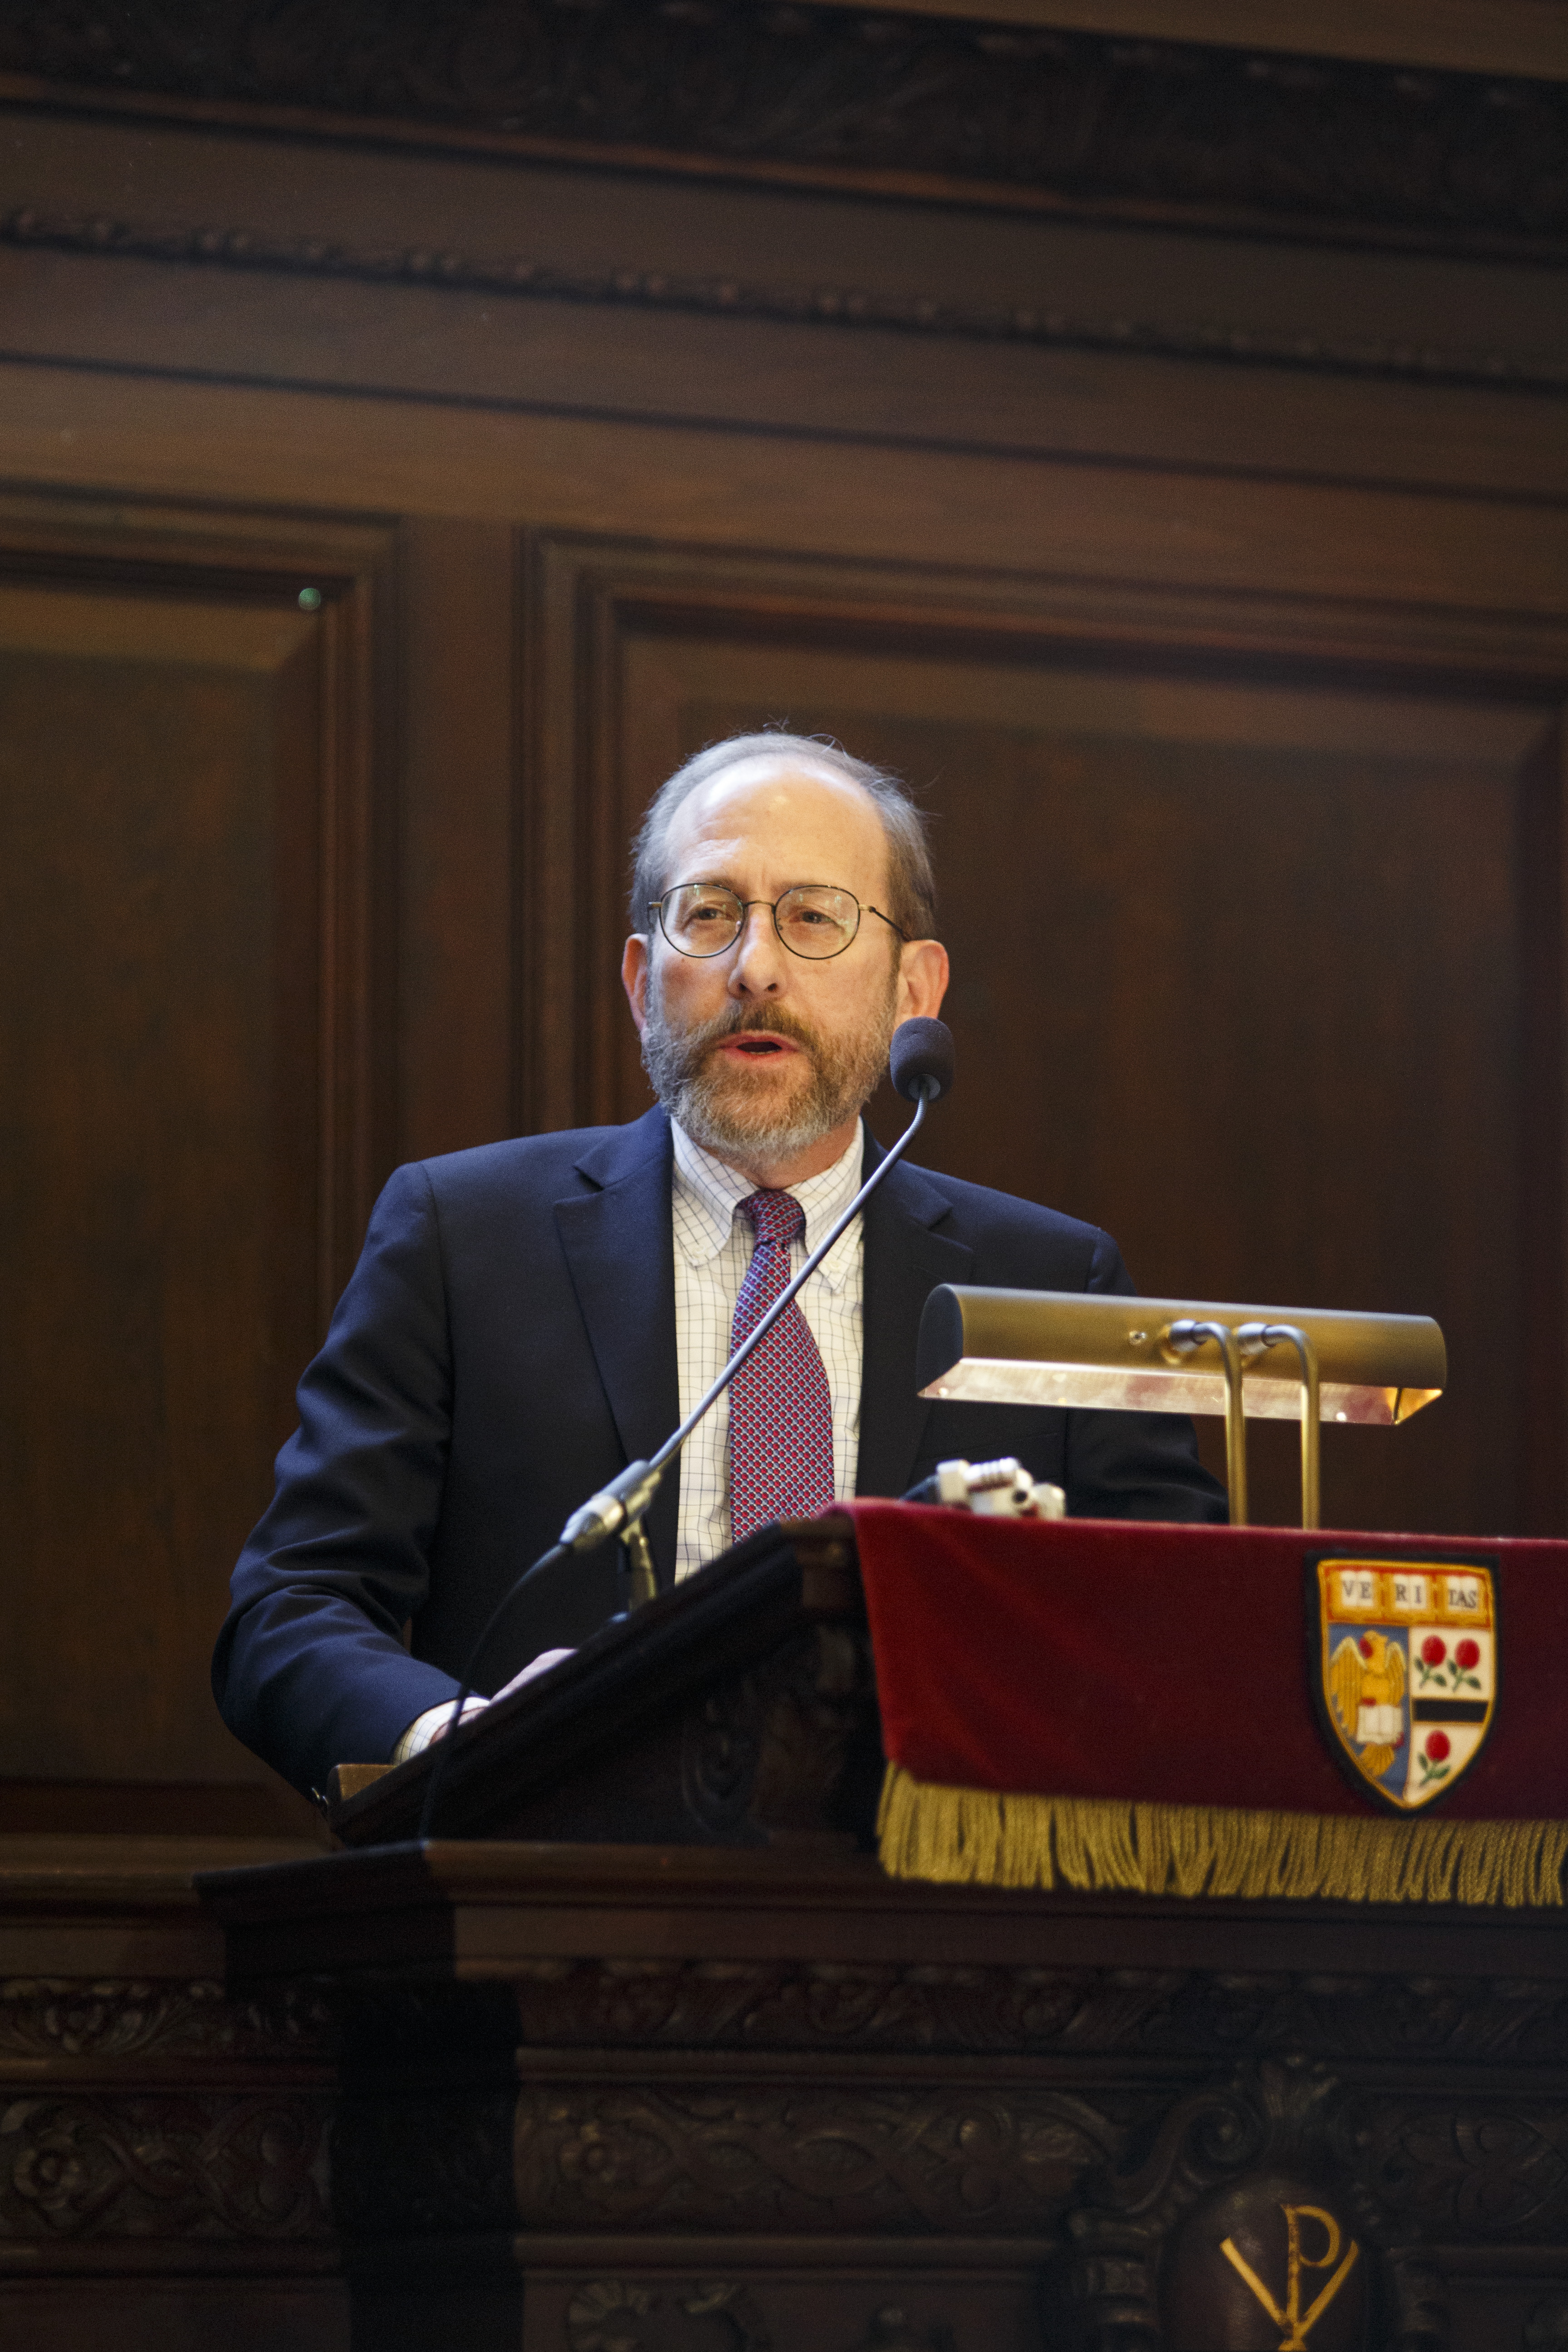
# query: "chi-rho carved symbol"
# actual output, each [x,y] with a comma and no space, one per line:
[1325,2232]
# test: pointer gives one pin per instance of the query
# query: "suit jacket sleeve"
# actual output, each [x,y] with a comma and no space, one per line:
[310,1668]
[1134,1465]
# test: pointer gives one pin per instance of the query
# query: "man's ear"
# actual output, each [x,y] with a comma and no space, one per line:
[922,980]
[634,978]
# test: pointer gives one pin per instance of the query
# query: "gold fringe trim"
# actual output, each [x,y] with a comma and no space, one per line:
[977,1836]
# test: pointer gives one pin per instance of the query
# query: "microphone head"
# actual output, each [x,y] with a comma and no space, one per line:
[922,1060]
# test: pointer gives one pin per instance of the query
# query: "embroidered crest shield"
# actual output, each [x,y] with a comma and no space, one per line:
[1405,1671]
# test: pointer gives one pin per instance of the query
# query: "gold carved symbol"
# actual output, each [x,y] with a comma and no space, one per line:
[1290,2315]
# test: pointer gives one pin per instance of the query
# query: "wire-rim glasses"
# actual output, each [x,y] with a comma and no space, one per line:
[815,920]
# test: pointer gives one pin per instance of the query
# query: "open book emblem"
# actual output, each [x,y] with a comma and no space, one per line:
[1406,1680]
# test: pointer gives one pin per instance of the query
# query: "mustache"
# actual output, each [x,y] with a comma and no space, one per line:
[725,1113]
[737,1020]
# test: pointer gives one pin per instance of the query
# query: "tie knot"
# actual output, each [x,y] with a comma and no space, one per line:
[774,1216]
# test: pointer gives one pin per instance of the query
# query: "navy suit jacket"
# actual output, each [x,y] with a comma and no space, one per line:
[506,1345]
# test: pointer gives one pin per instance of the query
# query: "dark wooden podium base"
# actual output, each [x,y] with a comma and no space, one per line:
[164,2169]
[598,2099]
[659,2100]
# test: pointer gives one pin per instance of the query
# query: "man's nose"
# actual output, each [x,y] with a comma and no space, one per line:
[757,959]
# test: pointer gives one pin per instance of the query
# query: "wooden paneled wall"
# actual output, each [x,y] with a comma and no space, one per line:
[351,608]
[195,925]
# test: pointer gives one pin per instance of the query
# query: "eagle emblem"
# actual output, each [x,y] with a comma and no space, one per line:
[1366,1684]
[1406,1671]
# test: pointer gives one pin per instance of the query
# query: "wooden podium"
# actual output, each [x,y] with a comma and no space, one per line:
[739,1709]
[646,2054]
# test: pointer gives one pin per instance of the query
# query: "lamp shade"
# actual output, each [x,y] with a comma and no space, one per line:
[1087,1348]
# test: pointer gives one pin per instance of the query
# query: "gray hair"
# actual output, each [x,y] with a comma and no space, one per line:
[912,884]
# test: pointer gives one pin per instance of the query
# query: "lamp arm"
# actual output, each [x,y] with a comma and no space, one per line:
[1255,1339]
[1182,1338]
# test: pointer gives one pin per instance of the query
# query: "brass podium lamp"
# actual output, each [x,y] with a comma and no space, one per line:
[1145,1355]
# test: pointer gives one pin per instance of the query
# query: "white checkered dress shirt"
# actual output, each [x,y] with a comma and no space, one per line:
[712,1252]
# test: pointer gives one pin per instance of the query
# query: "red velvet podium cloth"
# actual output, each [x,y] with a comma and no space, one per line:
[1135,1665]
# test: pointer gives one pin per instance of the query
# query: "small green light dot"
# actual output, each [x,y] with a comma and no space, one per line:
[309,600]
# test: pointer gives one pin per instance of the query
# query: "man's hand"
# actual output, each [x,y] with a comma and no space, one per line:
[437,1721]
[540,1666]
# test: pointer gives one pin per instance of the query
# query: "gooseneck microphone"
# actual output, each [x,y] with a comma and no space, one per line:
[920,1062]
[921,1067]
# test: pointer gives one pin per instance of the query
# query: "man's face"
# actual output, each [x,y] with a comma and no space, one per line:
[764,1055]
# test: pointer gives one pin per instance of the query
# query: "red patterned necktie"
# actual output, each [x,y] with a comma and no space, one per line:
[781,1414]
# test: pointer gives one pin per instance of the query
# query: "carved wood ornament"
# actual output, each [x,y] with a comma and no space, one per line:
[914,106]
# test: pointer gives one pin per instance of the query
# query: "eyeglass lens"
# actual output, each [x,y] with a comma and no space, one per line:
[702,918]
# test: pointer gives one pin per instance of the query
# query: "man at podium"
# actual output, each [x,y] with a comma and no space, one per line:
[529,1316]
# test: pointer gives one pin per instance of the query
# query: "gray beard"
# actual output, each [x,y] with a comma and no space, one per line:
[706,1099]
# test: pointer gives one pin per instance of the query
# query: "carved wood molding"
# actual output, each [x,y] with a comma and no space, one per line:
[734,2150]
[918,106]
[795,2158]
[1506,2031]
[800,2156]
[1440,2167]
[150,2109]
[150,2123]
[1405,2175]
[839,307]
[767,1751]
[70,2021]
[145,2163]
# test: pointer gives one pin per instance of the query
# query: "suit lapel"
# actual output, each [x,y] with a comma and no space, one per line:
[620,1249]
[905,1261]
[619,1245]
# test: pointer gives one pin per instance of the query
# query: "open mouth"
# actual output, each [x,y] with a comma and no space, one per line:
[758,1044]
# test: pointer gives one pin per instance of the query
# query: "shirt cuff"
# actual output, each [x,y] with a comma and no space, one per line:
[424,1728]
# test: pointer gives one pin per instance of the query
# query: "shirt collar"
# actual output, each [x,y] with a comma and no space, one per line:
[708,1194]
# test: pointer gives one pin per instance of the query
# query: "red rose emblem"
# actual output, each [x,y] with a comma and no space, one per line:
[1436,1746]
[1434,1650]
[1468,1654]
